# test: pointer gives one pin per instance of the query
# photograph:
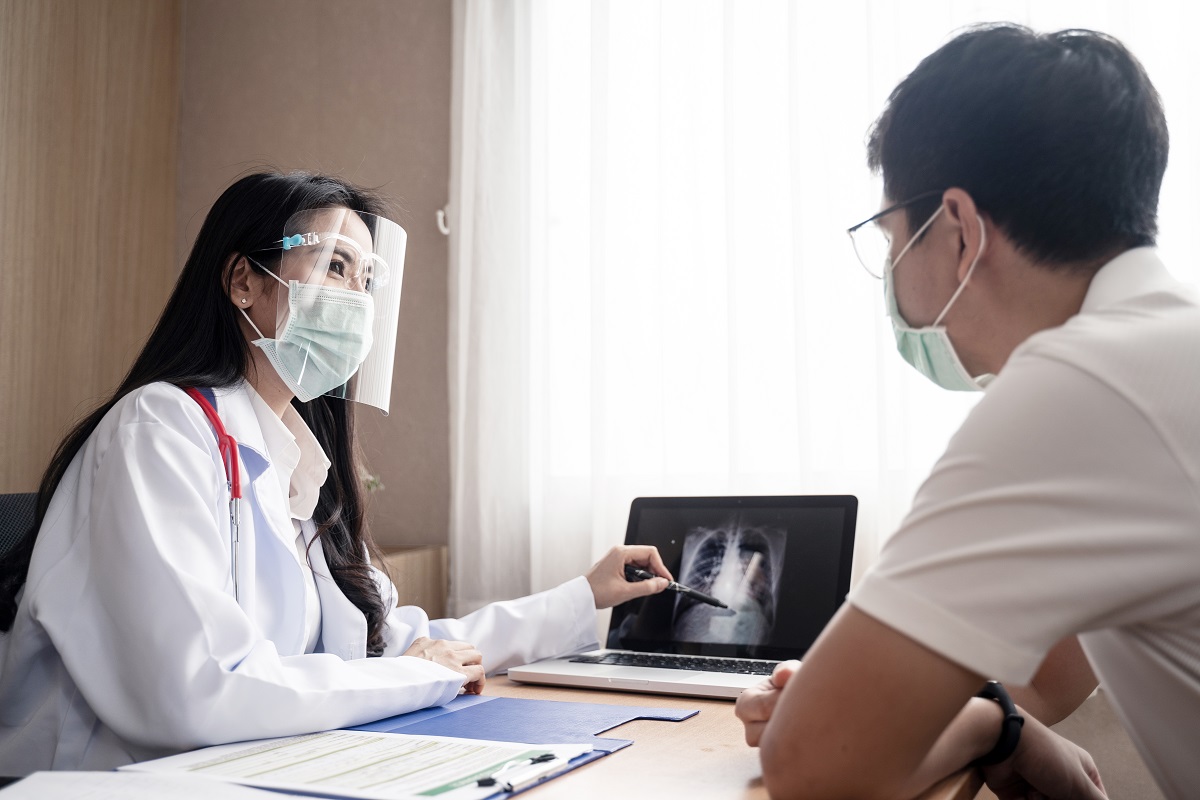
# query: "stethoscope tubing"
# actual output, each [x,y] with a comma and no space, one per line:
[227,446]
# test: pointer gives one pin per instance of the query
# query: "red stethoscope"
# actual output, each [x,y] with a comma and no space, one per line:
[227,446]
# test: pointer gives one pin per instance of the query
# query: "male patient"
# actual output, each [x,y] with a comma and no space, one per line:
[1058,538]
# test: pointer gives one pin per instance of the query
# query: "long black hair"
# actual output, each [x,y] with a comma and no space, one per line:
[198,342]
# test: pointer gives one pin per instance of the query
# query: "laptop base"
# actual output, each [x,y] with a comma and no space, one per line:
[686,683]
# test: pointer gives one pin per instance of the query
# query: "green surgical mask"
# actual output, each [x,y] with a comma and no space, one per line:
[324,341]
[929,349]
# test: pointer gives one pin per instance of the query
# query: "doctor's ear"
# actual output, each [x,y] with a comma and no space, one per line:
[246,285]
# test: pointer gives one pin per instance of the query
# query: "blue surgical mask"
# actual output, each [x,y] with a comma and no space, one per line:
[325,340]
[929,349]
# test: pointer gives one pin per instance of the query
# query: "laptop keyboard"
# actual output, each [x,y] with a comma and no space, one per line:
[736,666]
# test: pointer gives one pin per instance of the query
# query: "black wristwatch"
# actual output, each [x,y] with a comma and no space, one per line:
[1010,731]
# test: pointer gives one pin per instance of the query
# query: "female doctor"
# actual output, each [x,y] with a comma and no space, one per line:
[147,612]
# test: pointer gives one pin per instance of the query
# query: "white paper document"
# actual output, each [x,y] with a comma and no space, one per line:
[126,786]
[378,766]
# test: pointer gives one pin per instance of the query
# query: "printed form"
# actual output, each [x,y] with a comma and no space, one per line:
[377,766]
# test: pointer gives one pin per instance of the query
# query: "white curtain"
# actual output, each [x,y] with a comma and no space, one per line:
[652,292]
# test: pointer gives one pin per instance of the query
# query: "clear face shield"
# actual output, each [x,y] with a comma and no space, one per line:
[336,319]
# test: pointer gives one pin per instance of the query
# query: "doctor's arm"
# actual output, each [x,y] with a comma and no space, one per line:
[555,622]
[872,713]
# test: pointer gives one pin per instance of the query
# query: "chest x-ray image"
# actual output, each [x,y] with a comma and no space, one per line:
[740,565]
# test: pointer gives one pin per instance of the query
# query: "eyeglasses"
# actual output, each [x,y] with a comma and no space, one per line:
[335,256]
[870,241]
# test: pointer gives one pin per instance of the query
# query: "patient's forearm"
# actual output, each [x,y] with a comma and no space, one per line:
[971,734]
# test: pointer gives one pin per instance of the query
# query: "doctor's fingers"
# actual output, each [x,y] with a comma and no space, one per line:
[465,659]
[628,590]
[468,656]
[475,681]
[647,556]
[436,649]
[461,657]
[460,652]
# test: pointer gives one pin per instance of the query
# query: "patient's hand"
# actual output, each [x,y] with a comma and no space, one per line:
[458,656]
[607,576]
[1045,765]
[756,704]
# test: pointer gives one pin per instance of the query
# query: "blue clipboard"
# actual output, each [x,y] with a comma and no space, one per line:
[512,719]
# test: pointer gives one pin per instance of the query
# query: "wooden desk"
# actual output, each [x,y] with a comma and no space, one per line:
[701,757]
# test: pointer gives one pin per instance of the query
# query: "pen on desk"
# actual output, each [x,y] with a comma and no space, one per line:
[642,575]
[510,785]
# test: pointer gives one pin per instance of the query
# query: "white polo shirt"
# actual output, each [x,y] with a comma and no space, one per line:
[1069,503]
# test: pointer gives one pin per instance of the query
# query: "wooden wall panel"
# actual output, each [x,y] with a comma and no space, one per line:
[89,96]
[420,575]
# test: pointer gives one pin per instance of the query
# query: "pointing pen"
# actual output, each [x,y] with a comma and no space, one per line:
[641,574]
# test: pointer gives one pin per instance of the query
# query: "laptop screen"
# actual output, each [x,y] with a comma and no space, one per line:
[781,564]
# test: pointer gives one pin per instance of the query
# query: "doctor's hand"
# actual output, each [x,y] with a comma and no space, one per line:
[607,576]
[756,704]
[458,656]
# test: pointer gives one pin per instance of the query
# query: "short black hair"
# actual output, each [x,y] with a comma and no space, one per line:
[1059,137]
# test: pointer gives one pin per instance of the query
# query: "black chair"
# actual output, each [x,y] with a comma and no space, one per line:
[17,512]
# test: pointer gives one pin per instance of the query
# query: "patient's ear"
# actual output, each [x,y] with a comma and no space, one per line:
[962,212]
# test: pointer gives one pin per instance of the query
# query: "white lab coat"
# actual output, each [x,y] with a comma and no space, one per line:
[128,643]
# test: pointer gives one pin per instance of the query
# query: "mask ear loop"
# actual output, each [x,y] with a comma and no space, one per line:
[252,325]
[247,316]
[971,269]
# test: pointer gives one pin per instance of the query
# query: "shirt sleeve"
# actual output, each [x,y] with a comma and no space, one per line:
[1058,508]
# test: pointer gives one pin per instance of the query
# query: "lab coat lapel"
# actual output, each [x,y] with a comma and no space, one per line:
[343,626]
[272,582]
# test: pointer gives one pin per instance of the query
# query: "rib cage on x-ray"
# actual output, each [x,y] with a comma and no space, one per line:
[739,564]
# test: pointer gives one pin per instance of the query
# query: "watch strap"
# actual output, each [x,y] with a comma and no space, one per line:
[1010,729]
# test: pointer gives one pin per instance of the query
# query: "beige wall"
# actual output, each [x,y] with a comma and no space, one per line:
[361,89]
[88,129]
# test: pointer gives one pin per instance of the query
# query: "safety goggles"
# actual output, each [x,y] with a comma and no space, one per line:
[336,259]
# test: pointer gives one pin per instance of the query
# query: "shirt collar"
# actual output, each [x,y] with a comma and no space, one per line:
[1133,273]
[299,461]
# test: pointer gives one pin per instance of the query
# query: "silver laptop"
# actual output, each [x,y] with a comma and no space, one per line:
[780,564]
